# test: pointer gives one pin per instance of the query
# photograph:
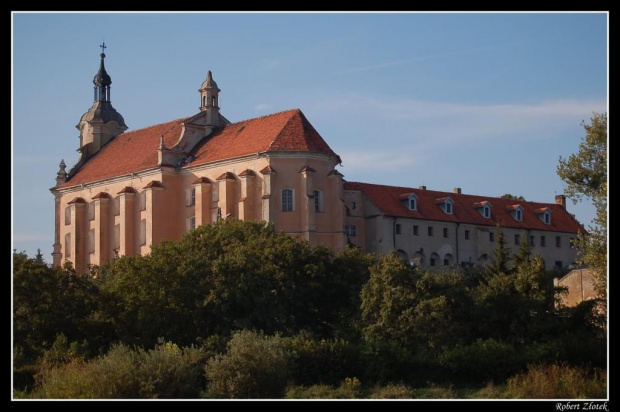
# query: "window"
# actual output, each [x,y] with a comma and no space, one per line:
[571,242]
[350,230]
[142,200]
[430,231]
[287,200]
[547,218]
[68,215]
[558,241]
[486,211]
[433,263]
[446,262]
[353,205]
[491,237]
[558,264]
[518,214]
[543,241]
[318,201]
[191,197]
[68,245]
[91,211]
[143,232]
[412,202]
[467,235]
[532,241]
[397,228]
[445,232]
[416,231]
[117,205]
[517,239]
[191,223]
[449,208]
[117,236]
[91,241]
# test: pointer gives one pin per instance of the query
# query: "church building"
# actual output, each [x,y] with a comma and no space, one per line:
[132,189]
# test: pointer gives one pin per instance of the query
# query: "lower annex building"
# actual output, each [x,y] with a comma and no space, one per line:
[131,190]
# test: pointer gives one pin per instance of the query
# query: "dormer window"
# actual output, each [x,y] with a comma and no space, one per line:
[411,201]
[484,208]
[544,214]
[446,204]
[516,211]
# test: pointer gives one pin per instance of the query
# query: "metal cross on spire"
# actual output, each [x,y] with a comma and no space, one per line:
[103,47]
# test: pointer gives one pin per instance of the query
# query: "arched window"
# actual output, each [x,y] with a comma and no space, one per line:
[204,101]
[287,200]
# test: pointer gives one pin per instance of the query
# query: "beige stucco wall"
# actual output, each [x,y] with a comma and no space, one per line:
[167,212]
[379,237]
[580,287]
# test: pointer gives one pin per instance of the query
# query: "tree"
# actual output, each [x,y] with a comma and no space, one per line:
[500,256]
[585,175]
[513,197]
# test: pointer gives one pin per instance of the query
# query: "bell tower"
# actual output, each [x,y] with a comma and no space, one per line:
[209,93]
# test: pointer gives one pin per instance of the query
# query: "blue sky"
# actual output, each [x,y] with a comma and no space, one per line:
[482,101]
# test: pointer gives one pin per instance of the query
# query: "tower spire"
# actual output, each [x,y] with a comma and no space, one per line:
[209,96]
[102,79]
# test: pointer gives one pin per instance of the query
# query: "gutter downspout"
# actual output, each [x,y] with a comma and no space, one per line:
[394,233]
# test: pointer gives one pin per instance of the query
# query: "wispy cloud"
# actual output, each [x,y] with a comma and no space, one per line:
[261,107]
[423,58]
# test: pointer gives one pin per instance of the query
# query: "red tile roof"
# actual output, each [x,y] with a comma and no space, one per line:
[389,199]
[137,150]
[267,170]
[101,195]
[153,183]
[226,175]
[76,200]
[203,180]
[127,189]
[247,172]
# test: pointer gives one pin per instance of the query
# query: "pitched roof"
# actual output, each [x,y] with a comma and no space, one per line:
[283,131]
[389,199]
[137,150]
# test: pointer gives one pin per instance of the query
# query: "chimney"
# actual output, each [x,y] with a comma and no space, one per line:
[422,187]
[561,200]
[457,190]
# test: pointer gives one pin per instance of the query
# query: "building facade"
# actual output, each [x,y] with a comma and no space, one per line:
[434,229]
[131,190]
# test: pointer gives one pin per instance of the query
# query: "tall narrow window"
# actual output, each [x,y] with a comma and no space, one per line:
[445,232]
[287,200]
[398,228]
[430,231]
[449,208]
[68,215]
[467,235]
[68,245]
[353,205]
[558,241]
[517,239]
[532,241]
[416,231]
[91,241]
[143,232]
[519,215]
[543,241]
[486,211]
[491,237]
[191,197]
[318,200]
[191,223]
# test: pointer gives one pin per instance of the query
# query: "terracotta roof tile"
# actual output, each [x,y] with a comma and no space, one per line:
[101,195]
[283,131]
[227,175]
[307,169]
[389,199]
[137,150]
[482,204]
[76,200]
[513,207]
[267,170]
[247,172]
[127,189]
[335,173]
[202,180]
[153,183]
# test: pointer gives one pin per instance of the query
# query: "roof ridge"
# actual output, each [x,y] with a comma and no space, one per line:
[263,116]
[179,120]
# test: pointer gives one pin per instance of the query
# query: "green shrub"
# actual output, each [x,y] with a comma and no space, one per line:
[254,366]
[350,388]
[558,381]
[325,361]
[391,391]
[482,361]
[165,372]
